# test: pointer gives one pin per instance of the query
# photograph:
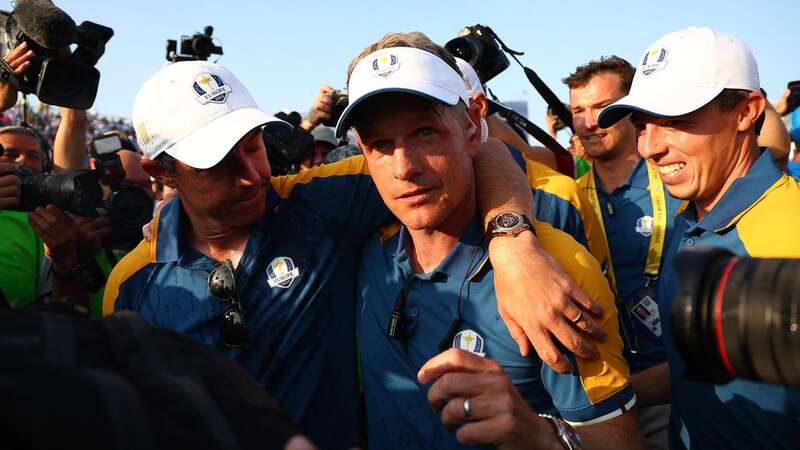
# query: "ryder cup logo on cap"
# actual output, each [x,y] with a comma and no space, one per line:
[385,65]
[683,71]
[196,112]
[470,341]
[404,70]
[653,60]
[210,88]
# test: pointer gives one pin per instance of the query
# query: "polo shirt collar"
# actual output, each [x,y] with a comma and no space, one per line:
[468,254]
[638,178]
[740,196]
[172,224]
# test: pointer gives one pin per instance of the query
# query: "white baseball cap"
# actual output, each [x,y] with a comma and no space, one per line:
[683,71]
[471,79]
[196,112]
[402,69]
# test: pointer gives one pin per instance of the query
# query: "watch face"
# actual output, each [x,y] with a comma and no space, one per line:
[508,220]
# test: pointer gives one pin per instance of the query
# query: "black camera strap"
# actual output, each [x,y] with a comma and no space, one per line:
[549,97]
[530,127]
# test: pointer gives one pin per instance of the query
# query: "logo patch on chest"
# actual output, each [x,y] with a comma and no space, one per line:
[470,341]
[281,272]
[644,226]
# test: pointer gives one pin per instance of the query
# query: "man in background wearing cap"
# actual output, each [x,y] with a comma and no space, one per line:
[696,103]
[557,198]
[286,298]
[324,142]
[425,286]
[636,215]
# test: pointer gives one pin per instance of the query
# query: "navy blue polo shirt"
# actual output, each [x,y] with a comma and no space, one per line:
[627,212]
[398,414]
[296,284]
[756,217]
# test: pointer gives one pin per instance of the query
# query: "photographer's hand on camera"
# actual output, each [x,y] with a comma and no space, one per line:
[19,60]
[9,186]
[320,110]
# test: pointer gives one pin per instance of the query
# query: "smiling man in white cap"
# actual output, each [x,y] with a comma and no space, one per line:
[697,105]
[428,311]
[264,267]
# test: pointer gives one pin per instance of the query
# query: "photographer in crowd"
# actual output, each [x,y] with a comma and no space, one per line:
[324,142]
[419,130]
[696,103]
[202,273]
[23,270]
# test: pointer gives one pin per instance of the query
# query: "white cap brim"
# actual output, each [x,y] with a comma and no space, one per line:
[658,103]
[402,70]
[218,137]
[420,89]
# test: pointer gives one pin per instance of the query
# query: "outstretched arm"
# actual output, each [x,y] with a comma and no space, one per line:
[535,297]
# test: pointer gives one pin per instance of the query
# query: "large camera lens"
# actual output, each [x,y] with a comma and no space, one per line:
[738,317]
[467,48]
[75,192]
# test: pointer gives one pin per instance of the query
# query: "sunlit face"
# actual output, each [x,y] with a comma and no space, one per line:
[420,157]
[694,153]
[233,192]
[586,102]
[22,150]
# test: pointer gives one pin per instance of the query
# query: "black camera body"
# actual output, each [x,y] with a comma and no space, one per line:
[197,47]
[287,143]
[478,46]
[340,101]
[737,317]
[69,81]
[128,206]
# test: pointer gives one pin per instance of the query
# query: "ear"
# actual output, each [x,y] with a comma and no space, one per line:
[92,164]
[483,103]
[473,126]
[155,170]
[752,108]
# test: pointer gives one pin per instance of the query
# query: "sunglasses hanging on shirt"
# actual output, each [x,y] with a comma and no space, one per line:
[222,285]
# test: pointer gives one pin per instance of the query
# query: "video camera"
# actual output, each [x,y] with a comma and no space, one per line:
[129,207]
[737,317]
[193,48]
[55,76]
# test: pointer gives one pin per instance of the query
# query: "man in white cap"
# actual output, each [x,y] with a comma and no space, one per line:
[264,267]
[696,103]
[428,311]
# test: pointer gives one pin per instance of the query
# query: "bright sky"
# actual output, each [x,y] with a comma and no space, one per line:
[283,50]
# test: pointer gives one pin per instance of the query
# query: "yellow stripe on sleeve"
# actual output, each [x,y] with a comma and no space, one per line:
[609,374]
[548,180]
[354,165]
[770,228]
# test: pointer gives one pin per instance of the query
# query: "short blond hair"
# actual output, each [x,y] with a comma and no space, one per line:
[413,39]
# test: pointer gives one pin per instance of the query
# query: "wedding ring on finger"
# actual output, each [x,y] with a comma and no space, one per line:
[467,408]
